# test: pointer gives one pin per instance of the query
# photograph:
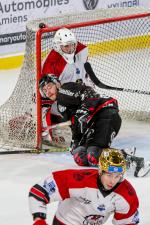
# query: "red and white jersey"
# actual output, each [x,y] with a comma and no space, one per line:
[56,64]
[83,200]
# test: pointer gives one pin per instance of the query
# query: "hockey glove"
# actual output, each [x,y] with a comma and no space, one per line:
[40,222]
[81,119]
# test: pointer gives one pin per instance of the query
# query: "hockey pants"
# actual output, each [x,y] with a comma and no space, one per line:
[101,134]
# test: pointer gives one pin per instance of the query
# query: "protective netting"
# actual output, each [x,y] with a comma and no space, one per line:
[119,53]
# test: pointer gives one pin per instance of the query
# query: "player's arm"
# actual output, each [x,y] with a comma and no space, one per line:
[89,101]
[50,189]
[126,206]
[130,218]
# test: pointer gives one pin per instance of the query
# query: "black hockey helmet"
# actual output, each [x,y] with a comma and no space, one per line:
[47,78]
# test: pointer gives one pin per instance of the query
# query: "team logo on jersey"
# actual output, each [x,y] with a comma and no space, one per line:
[50,187]
[66,92]
[93,220]
[85,200]
[78,176]
[101,207]
[104,96]
[77,71]
[61,108]
[135,219]
[90,4]
[79,81]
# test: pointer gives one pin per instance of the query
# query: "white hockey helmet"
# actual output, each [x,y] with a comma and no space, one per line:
[65,37]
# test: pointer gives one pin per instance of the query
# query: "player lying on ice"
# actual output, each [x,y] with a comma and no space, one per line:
[95,119]
[87,196]
[90,113]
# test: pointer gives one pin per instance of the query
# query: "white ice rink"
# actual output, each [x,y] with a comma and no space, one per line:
[19,172]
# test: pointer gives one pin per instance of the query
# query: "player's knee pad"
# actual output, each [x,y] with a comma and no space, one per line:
[80,156]
[93,153]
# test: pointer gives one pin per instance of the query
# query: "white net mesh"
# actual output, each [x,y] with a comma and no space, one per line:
[119,53]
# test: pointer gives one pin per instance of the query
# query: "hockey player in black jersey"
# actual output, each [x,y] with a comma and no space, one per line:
[95,120]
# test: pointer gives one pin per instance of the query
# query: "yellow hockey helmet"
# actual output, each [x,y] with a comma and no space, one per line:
[112,161]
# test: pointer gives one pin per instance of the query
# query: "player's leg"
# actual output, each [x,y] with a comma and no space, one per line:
[105,128]
[80,156]
[131,158]
[93,154]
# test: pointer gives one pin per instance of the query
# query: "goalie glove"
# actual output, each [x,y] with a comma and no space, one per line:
[40,222]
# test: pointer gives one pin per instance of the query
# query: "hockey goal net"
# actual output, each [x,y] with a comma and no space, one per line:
[119,51]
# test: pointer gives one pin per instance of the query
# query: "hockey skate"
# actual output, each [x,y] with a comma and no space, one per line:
[128,154]
[142,168]
[139,164]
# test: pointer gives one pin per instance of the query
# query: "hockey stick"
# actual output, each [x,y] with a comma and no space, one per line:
[63,124]
[99,84]
[52,148]
[33,151]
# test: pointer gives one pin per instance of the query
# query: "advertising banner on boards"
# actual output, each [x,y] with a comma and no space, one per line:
[14,14]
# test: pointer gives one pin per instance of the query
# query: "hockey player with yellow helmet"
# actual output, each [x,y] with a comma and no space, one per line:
[87,196]
[112,167]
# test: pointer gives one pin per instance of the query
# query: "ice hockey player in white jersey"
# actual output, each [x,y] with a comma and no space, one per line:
[65,60]
[87,196]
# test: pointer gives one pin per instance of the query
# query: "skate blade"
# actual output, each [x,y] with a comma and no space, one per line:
[145,170]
